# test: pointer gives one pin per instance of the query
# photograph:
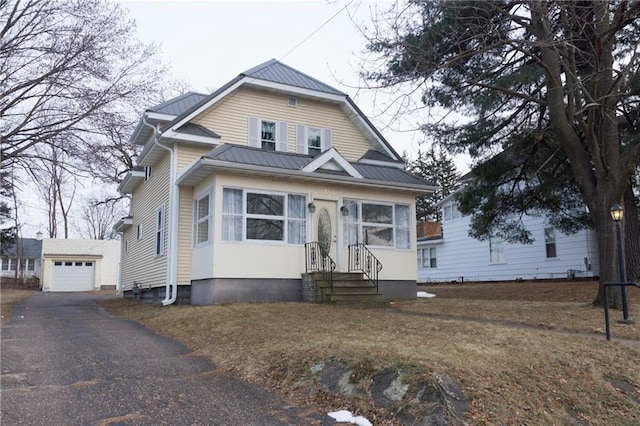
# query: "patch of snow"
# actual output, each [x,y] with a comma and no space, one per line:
[346,416]
[425,294]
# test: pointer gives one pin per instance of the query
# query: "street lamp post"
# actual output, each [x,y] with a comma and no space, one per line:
[617,214]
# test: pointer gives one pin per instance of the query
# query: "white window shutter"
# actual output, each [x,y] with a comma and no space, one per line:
[327,139]
[254,140]
[281,144]
[301,139]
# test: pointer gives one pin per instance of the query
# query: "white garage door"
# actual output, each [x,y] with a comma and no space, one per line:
[73,275]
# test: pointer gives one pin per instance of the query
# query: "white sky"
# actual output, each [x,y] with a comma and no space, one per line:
[208,43]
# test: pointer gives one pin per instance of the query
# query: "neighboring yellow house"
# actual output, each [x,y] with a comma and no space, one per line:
[239,193]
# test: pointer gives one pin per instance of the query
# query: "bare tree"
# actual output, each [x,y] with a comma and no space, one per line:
[100,216]
[56,182]
[62,64]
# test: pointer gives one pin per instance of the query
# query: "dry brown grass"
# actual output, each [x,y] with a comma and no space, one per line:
[8,299]
[518,372]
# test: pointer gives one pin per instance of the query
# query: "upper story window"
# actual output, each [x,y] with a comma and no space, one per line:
[139,232]
[148,172]
[377,224]
[269,135]
[313,140]
[496,250]
[253,215]
[450,212]
[550,242]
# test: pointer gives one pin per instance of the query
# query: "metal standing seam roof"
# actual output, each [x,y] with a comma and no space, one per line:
[197,130]
[179,104]
[279,160]
[277,72]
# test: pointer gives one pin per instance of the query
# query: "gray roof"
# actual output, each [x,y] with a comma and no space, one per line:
[280,160]
[197,130]
[30,248]
[378,156]
[179,104]
[278,72]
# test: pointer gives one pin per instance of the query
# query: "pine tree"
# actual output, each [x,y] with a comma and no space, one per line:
[439,169]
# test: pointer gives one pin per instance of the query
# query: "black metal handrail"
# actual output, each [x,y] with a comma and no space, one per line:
[362,260]
[317,259]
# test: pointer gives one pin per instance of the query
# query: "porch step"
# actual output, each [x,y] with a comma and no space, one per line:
[349,289]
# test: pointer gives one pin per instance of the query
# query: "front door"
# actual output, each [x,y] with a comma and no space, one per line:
[326,227]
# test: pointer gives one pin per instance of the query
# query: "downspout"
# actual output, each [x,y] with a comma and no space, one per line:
[171,289]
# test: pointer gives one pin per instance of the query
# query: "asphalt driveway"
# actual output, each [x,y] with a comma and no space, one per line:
[66,361]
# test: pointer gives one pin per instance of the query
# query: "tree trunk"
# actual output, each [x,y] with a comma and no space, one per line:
[607,256]
[632,235]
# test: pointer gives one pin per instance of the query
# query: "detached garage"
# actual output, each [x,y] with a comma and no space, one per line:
[79,265]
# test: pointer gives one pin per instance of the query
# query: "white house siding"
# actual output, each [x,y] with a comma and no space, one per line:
[265,259]
[462,257]
[229,119]
[185,236]
[104,253]
[140,263]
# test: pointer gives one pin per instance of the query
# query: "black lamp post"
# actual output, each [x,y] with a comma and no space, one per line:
[617,214]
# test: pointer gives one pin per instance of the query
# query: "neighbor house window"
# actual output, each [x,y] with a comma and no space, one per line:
[202,219]
[496,250]
[249,215]
[159,231]
[450,212]
[267,134]
[28,264]
[377,224]
[312,140]
[550,242]
[6,264]
[427,258]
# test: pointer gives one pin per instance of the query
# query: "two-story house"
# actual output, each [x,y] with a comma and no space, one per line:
[234,192]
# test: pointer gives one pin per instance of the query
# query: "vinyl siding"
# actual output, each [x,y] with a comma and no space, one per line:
[229,119]
[187,154]
[460,256]
[279,260]
[140,263]
[185,236]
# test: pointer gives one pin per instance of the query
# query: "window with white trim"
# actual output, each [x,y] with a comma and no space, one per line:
[450,212]
[139,232]
[256,215]
[313,140]
[550,242]
[28,265]
[427,258]
[159,231]
[148,172]
[377,224]
[6,264]
[496,250]
[269,135]
[202,220]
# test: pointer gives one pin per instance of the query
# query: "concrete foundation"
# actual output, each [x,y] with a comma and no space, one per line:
[233,290]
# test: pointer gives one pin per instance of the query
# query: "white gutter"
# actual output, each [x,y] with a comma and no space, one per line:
[171,291]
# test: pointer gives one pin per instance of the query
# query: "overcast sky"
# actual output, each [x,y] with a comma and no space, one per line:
[209,42]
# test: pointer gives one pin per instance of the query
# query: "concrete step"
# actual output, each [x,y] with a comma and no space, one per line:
[377,304]
[363,289]
[346,283]
[354,297]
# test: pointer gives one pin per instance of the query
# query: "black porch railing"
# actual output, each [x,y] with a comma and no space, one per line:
[317,259]
[362,260]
